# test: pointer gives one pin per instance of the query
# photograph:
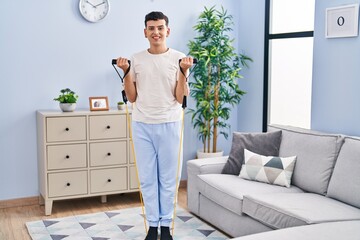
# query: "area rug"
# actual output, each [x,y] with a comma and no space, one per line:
[117,225]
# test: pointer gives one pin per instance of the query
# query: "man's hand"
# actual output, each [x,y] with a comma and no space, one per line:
[182,88]
[123,63]
[186,63]
[129,84]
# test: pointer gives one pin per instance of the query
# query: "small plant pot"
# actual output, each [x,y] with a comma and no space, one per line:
[67,107]
[202,154]
[121,106]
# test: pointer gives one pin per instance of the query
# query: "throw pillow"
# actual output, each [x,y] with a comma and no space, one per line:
[267,144]
[268,169]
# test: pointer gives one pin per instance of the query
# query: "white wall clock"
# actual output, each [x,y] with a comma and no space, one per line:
[94,10]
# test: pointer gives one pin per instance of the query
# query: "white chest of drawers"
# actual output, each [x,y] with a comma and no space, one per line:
[83,154]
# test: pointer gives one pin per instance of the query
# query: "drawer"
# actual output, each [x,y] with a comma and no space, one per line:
[108,180]
[134,183]
[107,127]
[67,184]
[108,153]
[66,156]
[65,129]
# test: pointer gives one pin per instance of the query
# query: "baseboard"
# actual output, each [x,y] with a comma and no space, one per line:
[28,201]
[19,202]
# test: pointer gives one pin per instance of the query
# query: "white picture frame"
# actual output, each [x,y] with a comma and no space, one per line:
[342,21]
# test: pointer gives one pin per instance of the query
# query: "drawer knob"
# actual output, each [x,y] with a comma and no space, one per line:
[109,180]
[109,154]
[67,156]
[68,184]
[67,129]
[108,127]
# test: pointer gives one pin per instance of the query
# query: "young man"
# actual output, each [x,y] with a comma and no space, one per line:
[156,86]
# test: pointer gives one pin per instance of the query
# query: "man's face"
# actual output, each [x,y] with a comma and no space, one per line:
[156,31]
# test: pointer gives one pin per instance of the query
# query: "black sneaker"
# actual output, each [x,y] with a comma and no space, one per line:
[165,234]
[152,233]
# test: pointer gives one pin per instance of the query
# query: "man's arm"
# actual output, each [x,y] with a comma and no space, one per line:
[182,87]
[129,84]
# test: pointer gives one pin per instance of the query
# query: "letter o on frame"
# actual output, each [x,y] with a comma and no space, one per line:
[340,20]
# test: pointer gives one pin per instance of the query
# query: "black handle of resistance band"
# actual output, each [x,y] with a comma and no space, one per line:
[184,103]
[114,62]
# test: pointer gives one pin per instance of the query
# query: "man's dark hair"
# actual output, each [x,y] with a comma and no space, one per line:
[154,16]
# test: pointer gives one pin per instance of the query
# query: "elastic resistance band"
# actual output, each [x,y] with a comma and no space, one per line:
[184,103]
[137,172]
[113,63]
[180,146]
[178,171]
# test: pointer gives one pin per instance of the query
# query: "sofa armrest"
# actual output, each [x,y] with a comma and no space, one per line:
[206,165]
[198,167]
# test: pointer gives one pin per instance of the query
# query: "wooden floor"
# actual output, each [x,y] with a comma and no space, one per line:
[12,220]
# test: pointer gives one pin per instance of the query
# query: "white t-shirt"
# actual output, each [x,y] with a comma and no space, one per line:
[156,76]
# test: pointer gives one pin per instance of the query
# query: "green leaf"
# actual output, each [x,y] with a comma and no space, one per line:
[67,96]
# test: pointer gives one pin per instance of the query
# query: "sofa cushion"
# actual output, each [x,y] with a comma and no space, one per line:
[262,143]
[348,230]
[316,155]
[228,190]
[268,169]
[284,210]
[345,180]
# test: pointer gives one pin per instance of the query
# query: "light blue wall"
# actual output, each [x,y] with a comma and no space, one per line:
[46,46]
[251,27]
[336,77]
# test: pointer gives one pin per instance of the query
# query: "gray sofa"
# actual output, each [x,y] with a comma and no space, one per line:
[324,194]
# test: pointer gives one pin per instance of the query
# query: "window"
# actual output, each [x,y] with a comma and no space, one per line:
[288,62]
[292,16]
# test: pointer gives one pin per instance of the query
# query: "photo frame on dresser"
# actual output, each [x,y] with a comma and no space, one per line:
[99,103]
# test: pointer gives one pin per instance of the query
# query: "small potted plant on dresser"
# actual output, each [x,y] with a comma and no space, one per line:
[67,100]
[121,105]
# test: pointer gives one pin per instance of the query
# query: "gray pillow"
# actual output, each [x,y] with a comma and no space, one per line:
[267,144]
[345,180]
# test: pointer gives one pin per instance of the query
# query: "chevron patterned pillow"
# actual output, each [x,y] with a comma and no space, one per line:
[268,169]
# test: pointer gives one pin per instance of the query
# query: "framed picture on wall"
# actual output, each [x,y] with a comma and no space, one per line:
[342,21]
[99,103]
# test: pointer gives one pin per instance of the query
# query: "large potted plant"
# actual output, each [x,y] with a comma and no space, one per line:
[214,86]
[67,100]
